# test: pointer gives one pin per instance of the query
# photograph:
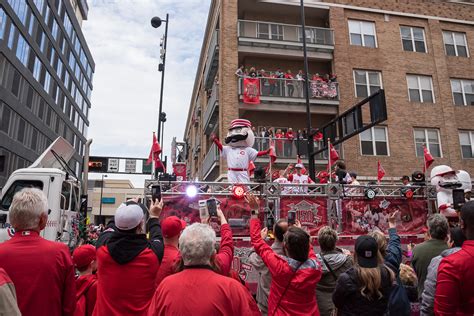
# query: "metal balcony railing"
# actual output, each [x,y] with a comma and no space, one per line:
[267,32]
[211,160]
[290,149]
[210,114]
[294,88]
[212,60]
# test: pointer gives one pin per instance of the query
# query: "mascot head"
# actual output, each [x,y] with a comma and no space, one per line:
[444,178]
[465,180]
[240,134]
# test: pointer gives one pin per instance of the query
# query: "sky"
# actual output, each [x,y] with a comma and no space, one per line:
[126,83]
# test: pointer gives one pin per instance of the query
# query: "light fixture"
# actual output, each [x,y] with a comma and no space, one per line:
[370,193]
[191,191]
[238,191]
[407,192]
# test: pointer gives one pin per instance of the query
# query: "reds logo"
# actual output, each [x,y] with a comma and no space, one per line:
[242,153]
[251,90]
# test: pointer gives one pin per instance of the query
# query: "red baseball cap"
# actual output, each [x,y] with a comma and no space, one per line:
[83,256]
[172,226]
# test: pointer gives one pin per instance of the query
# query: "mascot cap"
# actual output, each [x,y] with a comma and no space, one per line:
[240,123]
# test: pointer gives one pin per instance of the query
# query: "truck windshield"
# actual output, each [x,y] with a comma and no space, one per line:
[18,186]
[71,194]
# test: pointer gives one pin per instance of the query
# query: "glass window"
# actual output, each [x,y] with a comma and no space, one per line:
[33,23]
[413,39]
[420,89]
[367,82]
[22,50]
[37,69]
[59,68]
[20,8]
[262,30]
[463,91]
[362,33]
[428,138]
[47,81]
[20,136]
[374,141]
[11,38]
[5,118]
[466,140]
[68,25]
[39,5]
[55,29]
[3,22]
[455,44]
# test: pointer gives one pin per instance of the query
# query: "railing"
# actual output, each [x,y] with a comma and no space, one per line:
[211,62]
[211,107]
[280,32]
[294,88]
[290,149]
[211,158]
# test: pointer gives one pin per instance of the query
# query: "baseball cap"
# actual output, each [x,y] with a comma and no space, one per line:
[172,226]
[405,178]
[299,165]
[128,216]
[82,256]
[366,249]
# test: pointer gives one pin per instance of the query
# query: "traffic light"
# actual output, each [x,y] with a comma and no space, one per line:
[97,164]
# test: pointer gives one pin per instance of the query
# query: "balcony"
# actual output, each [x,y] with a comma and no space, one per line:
[212,61]
[289,149]
[287,95]
[284,39]
[210,162]
[211,115]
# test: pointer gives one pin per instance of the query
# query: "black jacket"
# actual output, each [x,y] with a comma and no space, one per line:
[349,301]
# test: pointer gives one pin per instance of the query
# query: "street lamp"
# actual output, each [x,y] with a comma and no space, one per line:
[101,195]
[163,121]
[156,23]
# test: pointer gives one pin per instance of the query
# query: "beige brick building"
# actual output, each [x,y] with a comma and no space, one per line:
[419,52]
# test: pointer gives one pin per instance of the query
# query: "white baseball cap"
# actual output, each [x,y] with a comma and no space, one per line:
[128,216]
[299,165]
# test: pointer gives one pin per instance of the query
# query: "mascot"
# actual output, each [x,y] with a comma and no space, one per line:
[239,151]
[445,179]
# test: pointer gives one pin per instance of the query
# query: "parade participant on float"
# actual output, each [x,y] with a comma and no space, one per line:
[84,258]
[299,178]
[239,152]
[445,180]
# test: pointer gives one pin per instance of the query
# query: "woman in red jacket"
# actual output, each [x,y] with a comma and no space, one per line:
[295,276]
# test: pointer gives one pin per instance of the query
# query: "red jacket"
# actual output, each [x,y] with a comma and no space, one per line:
[299,298]
[201,291]
[43,274]
[454,288]
[86,294]
[126,271]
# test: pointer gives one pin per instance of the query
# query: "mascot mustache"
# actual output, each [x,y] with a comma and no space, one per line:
[450,185]
[235,138]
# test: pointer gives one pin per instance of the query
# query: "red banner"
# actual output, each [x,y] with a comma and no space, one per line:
[251,91]
[310,211]
[179,169]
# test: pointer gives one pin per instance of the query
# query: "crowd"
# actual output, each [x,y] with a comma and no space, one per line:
[164,267]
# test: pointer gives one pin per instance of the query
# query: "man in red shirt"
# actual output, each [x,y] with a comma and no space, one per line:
[198,289]
[128,262]
[41,270]
[84,258]
[454,293]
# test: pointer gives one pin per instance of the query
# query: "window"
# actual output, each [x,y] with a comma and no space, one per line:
[362,33]
[430,139]
[16,187]
[11,38]
[20,8]
[455,44]
[367,82]
[39,5]
[31,28]
[68,25]
[374,141]
[3,22]
[21,131]
[420,89]
[466,139]
[5,118]
[16,83]
[463,91]
[37,69]
[54,30]
[47,81]
[413,39]
[22,50]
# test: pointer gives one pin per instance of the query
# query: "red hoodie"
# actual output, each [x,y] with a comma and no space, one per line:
[86,294]
[293,284]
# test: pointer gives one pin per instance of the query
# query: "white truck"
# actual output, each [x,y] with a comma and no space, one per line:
[51,174]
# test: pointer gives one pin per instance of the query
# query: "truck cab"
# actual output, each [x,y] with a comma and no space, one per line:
[50,174]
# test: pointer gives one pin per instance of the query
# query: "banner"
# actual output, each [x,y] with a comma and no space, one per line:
[310,211]
[179,169]
[251,90]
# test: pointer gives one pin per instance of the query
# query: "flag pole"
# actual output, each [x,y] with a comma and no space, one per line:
[378,168]
[329,160]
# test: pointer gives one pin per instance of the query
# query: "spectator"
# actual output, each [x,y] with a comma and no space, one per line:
[290,137]
[305,133]
[264,276]
[354,180]
[323,177]
[365,288]
[409,282]
[264,138]
[279,142]
[454,294]
[252,73]
[301,145]
[8,304]
[280,76]
[299,178]
[427,250]
[197,289]
[334,262]
[456,239]
[333,78]
[84,258]
[295,276]
[124,250]
[240,71]
[299,84]
[41,270]
[172,227]
[406,181]
[272,81]
[341,174]
[289,83]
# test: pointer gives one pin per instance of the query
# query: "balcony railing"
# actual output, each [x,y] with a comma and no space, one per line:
[211,159]
[294,88]
[266,32]
[290,149]
[211,115]
[212,60]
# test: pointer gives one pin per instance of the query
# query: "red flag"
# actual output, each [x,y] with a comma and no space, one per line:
[251,90]
[428,159]
[318,136]
[251,167]
[334,153]
[380,171]
[155,153]
[272,152]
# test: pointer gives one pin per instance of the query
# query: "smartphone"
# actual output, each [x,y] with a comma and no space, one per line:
[270,223]
[155,193]
[458,199]
[212,207]
[291,217]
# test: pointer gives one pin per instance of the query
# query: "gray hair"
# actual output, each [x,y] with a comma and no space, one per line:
[27,207]
[197,244]
[438,226]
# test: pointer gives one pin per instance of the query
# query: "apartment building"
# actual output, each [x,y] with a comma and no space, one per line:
[419,52]
[46,72]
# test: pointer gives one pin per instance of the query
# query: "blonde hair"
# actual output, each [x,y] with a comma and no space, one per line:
[27,207]
[408,275]
[371,279]
[381,241]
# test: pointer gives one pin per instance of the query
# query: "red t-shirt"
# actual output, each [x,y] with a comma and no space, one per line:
[170,258]
[86,286]
[290,135]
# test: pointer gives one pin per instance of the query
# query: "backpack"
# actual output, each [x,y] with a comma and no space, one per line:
[398,302]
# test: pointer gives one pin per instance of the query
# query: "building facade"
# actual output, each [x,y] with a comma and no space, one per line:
[46,72]
[419,52]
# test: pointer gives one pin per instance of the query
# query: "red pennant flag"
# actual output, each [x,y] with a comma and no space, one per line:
[428,159]
[155,154]
[252,91]
[334,153]
[251,167]
[318,137]
[380,171]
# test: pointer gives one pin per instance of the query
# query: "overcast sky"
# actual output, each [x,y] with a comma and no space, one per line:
[126,82]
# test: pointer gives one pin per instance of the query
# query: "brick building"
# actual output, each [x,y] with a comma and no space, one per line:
[419,52]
